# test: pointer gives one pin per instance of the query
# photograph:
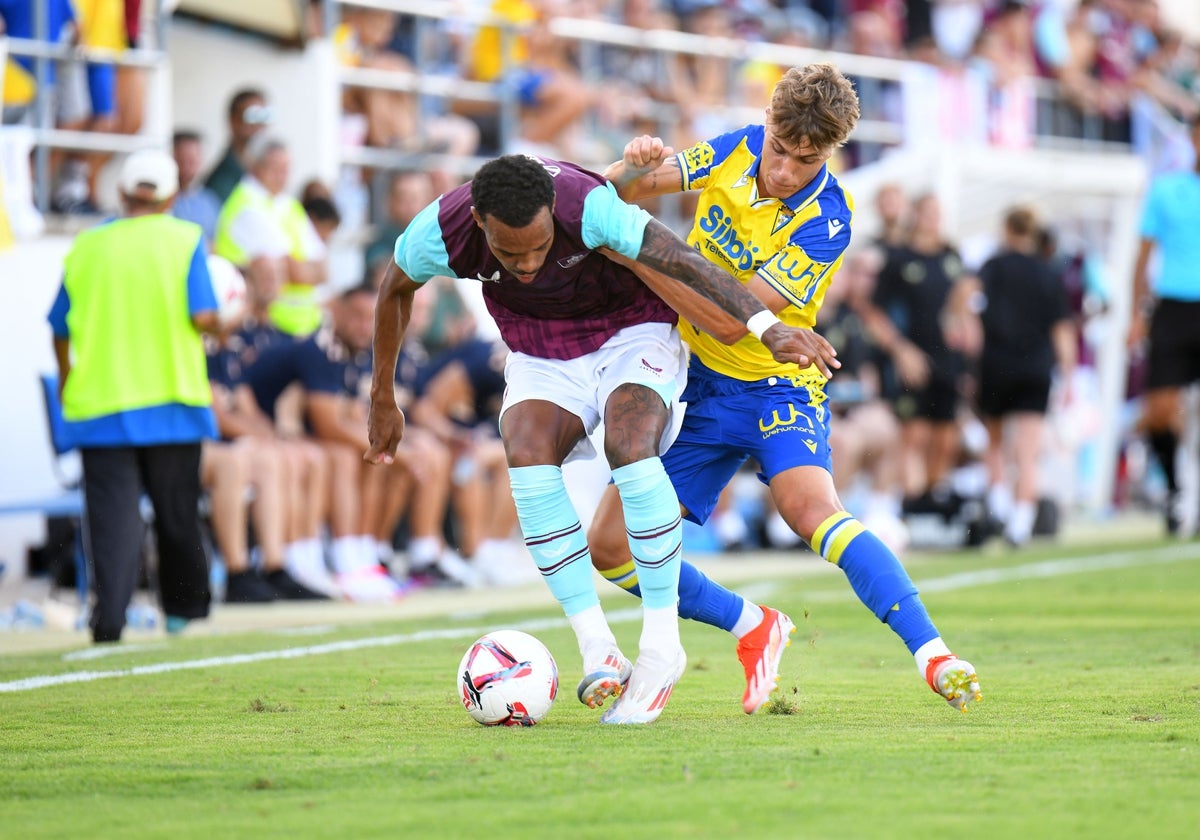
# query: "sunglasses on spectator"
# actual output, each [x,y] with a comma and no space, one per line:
[257,115]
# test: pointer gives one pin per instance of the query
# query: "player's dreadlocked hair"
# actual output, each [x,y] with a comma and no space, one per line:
[512,189]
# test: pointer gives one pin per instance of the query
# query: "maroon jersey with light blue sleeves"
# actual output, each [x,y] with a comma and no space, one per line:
[578,300]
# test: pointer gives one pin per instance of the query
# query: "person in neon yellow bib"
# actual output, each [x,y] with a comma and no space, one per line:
[135,296]
[265,232]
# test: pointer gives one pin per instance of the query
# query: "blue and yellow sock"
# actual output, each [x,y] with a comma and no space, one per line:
[700,598]
[554,536]
[654,528]
[876,576]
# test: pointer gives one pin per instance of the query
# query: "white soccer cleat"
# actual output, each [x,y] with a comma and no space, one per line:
[369,584]
[954,679]
[605,679]
[650,686]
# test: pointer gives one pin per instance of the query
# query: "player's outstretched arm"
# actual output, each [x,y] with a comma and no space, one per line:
[393,311]
[663,251]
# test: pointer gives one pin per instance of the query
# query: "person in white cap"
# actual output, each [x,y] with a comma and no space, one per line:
[135,296]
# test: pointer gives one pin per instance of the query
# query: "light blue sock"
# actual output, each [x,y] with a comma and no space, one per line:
[654,528]
[554,536]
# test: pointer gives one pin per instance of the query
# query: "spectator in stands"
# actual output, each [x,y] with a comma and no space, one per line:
[1027,333]
[135,295]
[305,469]
[365,505]
[459,393]
[905,316]
[892,207]
[553,97]
[408,193]
[1166,312]
[249,114]
[394,118]
[864,433]
[194,202]
[324,215]
[262,229]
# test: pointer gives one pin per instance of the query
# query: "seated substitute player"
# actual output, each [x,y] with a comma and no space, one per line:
[588,340]
[770,211]
[366,505]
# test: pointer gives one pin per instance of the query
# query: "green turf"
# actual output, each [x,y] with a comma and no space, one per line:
[1089,727]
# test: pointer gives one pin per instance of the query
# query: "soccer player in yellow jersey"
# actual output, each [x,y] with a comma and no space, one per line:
[772,214]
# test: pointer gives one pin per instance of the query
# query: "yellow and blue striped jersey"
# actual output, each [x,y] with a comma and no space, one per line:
[794,244]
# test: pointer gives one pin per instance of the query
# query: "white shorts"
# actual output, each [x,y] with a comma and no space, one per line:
[646,354]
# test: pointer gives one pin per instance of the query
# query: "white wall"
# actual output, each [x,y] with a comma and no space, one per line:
[29,275]
[209,64]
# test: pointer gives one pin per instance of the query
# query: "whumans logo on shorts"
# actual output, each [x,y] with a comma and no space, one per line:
[719,226]
[785,419]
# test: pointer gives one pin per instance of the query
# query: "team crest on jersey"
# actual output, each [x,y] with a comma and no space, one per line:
[699,156]
[783,218]
[574,259]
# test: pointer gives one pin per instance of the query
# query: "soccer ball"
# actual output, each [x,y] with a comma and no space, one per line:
[229,287]
[507,678]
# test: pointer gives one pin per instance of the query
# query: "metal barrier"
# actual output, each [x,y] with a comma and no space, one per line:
[44,50]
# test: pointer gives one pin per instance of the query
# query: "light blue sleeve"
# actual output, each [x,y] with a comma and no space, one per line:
[609,221]
[420,251]
[200,294]
[1150,225]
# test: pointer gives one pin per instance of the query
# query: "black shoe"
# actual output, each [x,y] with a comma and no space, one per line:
[105,635]
[290,589]
[433,576]
[248,588]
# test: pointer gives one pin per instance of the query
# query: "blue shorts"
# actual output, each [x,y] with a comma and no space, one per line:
[102,86]
[780,423]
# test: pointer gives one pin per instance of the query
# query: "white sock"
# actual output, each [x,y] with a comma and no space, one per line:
[1020,524]
[660,629]
[779,533]
[348,554]
[880,502]
[592,631]
[999,501]
[927,651]
[383,550]
[751,617]
[423,551]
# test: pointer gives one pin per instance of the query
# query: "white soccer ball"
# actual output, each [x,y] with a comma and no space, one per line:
[507,678]
[229,286]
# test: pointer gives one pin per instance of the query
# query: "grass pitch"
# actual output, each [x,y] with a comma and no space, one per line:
[1089,727]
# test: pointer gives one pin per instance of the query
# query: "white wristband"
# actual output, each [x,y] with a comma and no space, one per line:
[760,322]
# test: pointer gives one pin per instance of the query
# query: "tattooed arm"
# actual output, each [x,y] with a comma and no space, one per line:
[663,251]
[647,168]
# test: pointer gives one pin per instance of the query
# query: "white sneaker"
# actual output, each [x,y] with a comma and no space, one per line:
[605,675]
[369,584]
[311,572]
[505,564]
[650,686]
[458,569]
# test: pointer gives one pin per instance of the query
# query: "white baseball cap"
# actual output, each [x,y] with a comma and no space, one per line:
[150,169]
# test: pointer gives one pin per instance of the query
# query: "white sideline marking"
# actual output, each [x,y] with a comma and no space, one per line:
[946,583]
